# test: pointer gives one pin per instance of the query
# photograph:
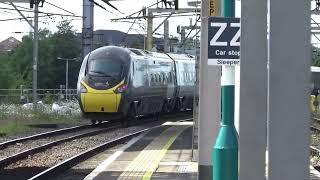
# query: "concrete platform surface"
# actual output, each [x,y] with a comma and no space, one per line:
[162,153]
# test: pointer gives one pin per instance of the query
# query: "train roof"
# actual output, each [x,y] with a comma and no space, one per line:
[185,57]
[315,69]
[171,56]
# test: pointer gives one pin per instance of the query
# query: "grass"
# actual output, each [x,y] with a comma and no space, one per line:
[16,119]
[13,128]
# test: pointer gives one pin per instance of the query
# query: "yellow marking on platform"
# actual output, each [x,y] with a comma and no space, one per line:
[143,166]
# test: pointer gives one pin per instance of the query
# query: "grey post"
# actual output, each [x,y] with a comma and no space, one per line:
[35,56]
[87,27]
[253,90]
[210,100]
[166,36]
[67,77]
[149,31]
[289,89]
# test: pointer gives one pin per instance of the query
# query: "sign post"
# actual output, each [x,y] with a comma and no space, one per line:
[224,50]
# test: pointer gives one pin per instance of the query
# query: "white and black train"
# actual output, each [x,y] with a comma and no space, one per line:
[124,82]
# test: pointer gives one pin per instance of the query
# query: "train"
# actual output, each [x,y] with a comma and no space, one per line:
[118,83]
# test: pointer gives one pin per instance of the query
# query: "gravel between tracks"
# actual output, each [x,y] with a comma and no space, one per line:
[63,151]
[32,165]
[315,142]
[66,150]
[41,130]
[19,147]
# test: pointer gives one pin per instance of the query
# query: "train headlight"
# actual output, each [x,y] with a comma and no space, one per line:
[83,89]
[121,88]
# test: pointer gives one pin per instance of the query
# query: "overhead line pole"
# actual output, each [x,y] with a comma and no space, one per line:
[15,7]
[35,56]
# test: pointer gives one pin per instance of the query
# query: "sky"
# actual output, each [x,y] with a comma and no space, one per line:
[101,17]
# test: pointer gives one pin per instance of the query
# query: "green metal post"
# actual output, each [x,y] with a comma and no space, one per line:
[225,149]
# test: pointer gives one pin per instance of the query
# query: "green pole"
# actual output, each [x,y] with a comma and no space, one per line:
[225,149]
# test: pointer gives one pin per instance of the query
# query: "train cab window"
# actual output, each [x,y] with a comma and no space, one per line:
[105,67]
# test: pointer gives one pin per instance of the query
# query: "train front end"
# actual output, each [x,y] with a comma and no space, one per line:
[102,83]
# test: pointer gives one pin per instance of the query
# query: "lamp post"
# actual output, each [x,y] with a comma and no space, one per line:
[67,71]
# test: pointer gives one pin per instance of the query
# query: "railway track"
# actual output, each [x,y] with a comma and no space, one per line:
[25,153]
[45,135]
[29,159]
[66,164]
[314,150]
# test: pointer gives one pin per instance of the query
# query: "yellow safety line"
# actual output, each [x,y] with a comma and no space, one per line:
[148,174]
[143,166]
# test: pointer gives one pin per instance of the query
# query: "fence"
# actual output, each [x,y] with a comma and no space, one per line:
[23,95]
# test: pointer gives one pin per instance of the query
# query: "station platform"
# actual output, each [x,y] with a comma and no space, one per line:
[162,153]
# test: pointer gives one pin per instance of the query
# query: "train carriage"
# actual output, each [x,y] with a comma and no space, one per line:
[123,82]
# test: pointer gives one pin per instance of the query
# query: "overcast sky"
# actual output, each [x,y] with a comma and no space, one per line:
[101,17]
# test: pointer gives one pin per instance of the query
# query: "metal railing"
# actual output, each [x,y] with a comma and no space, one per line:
[24,95]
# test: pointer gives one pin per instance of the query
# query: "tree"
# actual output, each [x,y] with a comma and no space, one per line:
[51,72]
[66,45]
[20,62]
[315,56]
[6,75]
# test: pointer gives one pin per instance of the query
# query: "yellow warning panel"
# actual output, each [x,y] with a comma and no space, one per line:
[212,8]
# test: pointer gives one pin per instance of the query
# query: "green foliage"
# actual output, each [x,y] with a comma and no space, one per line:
[315,56]
[16,68]
[6,78]
[13,128]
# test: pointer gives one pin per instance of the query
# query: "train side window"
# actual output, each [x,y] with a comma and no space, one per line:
[187,78]
[164,78]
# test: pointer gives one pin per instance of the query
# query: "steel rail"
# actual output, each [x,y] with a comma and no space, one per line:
[66,164]
[46,134]
[21,155]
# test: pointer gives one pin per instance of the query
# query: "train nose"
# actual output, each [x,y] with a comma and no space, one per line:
[94,102]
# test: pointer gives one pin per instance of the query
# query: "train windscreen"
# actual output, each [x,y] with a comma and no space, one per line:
[104,73]
[102,67]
